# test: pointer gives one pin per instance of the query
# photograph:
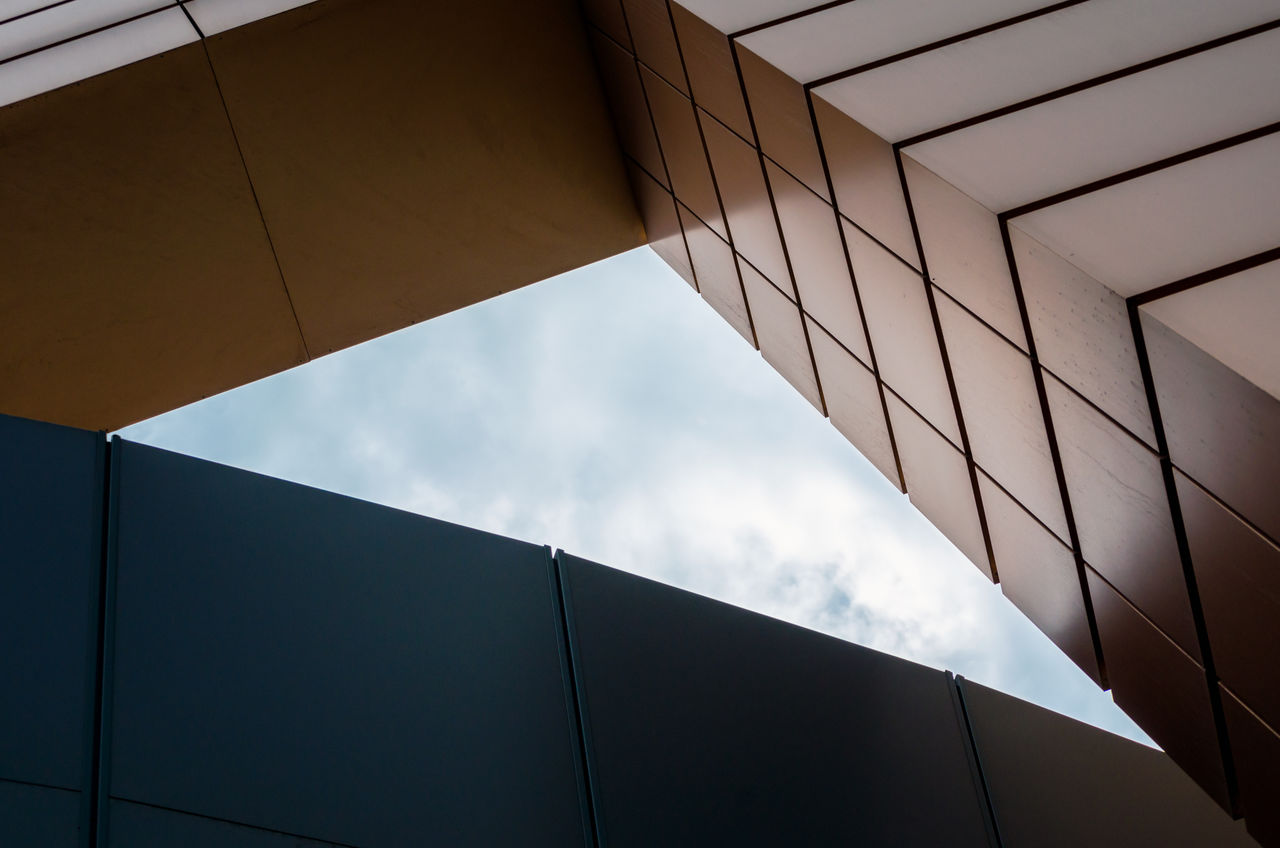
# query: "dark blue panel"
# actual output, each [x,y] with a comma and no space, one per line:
[38,816]
[138,826]
[51,492]
[303,662]
[711,725]
[1057,783]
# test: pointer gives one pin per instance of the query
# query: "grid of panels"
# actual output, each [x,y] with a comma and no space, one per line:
[965,241]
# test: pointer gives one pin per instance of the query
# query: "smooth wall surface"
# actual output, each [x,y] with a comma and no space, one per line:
[239,204]
[286,666]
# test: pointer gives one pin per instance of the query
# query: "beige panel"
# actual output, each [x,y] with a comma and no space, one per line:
[137,276]
[1234,319]
[964,250]
[1172,223]
[415,158]
[1011,64]
[1061,144]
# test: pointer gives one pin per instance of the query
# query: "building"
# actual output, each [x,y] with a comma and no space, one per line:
[1022,254]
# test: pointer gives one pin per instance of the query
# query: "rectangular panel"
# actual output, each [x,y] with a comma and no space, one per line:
[851,34]
[902,331]
[1038,574]
[740,177]
[1172,223]
[1256,749]
[864,172]
[682,147]
[711,725]
[1082,334]
[1221,428]
[998,68]
[95,238]
[1238,576]
[295,660]
[713,76]
[937,478]
[964,250]
[1058,783]
[780,332]
[655,39]
[51,508]
[717,274]
[39,816]
[1160,687]
[817,260]
[661,224]
[853,402]
[1052,147]
[1233,319]
[1002,413]
[784,128]
[1122,514]
[621,80]
[404,144]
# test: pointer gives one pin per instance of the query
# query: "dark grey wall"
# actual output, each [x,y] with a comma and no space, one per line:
[282,666]
[1057,783]
[711,725]
[315,665]
[52,484]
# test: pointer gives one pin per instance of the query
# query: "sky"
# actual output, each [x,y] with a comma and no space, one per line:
[611,413]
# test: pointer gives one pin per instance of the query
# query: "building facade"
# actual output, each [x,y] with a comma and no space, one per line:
[1024,255]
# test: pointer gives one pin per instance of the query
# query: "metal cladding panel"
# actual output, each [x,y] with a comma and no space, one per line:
[1038,573]
[900,322]
[621,80]
[140,826]
[1160,687]
[853,402]
[717,273]
[1082,334]
[780,333]
[864,173]
[655,39]
[304,662]
[747,205]
[1221,428]
[1238,574]
[937,478]
[50,555]
[661,222]
[711,725]
[996,385]
[1084,786]
[1122,512]
[1256,748]
[708,58]
[38,816]
[685,155]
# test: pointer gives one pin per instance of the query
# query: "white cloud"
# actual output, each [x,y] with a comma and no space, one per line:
[613,414]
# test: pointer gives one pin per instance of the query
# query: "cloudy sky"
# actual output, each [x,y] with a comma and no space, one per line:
[611,413]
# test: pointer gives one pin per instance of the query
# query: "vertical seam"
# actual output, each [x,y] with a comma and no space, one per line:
[253,191]
[1184,555]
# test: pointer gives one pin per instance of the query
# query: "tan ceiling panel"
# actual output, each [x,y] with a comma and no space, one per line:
[136,274]
[415,158]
